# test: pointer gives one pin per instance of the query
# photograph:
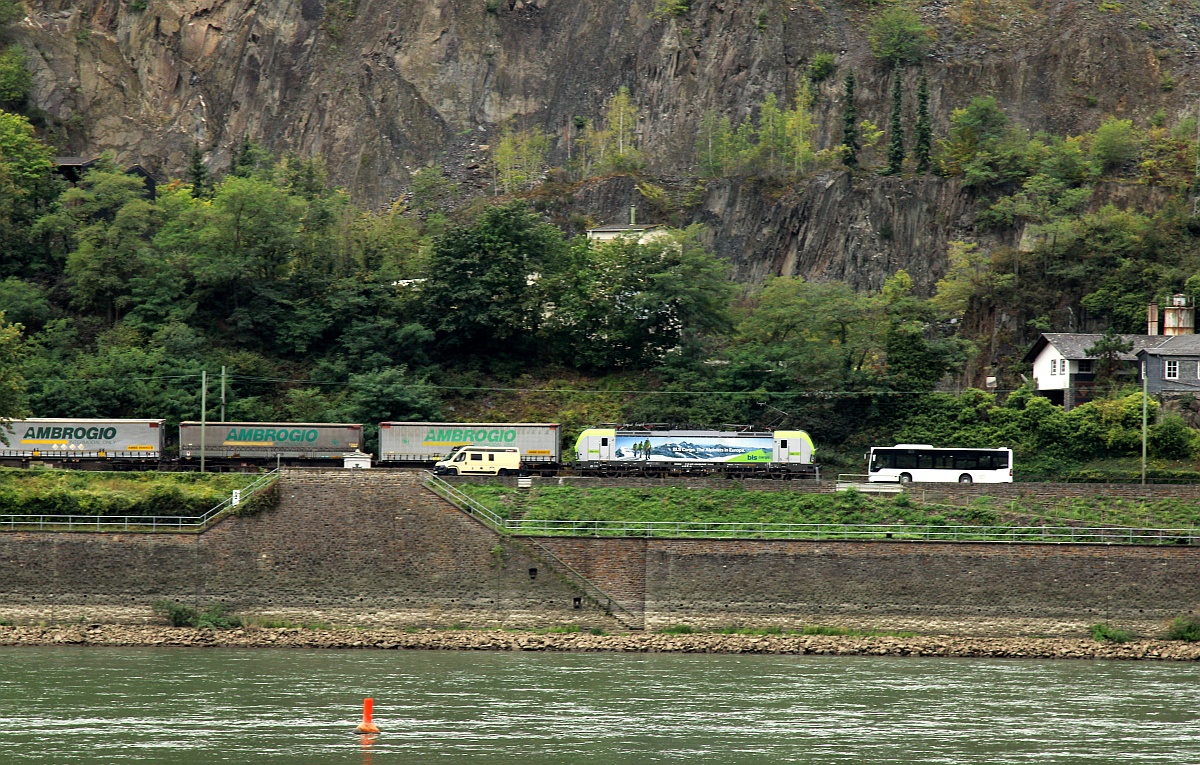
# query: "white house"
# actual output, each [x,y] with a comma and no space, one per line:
[1066,374]
[642,231]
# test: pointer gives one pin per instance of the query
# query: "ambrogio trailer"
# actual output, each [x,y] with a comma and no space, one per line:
[270,440]
[428,442]
[74,438]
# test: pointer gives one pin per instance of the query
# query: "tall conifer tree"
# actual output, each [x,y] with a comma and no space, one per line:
[923,134]
[896,141]
[850,125]
[198,173]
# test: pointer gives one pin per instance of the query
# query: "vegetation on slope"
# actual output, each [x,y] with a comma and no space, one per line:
[70,492]
[736,505]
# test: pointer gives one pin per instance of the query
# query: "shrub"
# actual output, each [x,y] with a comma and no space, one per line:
[1185,628]
[664,9]
[179,615]
[677,629]
[1105,633]
[898,37]
[1171,439]
[822,67]
[1114,143]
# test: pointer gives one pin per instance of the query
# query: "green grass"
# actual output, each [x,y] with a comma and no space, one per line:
[212,616]
[1108,634]
[736,505]
[85,492]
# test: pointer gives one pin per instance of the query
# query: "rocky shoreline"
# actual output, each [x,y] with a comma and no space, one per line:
[491,640]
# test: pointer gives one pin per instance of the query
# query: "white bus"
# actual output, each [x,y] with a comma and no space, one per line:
[906,463]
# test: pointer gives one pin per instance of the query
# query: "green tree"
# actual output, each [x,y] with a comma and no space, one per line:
[483,292]
[800,127]
[923,133]
[712,145]
[12,384]
[970,276]
[772,136]
[11,10]
[895,152]
[519,159]
[15,79]
[1115,143]
[635,302]
[898,37]
[1108,351]
[612,145]
[850,125]
[198,173]
[28,188]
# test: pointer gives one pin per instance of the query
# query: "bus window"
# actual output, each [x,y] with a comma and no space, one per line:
[926,460]
[966,461]
[906,460]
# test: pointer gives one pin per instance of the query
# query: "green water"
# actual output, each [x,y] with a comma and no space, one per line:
[77,705]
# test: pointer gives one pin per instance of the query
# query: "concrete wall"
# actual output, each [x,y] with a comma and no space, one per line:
[375,548]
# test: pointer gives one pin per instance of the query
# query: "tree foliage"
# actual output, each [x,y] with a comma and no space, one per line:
[898,36]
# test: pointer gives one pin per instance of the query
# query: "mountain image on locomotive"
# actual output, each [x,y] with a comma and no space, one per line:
[787,453]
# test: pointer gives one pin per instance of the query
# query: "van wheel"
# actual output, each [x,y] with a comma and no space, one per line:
[905,478]
[504,471]
[964,478]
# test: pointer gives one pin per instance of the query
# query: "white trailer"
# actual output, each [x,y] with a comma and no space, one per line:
[429,442]
[74,438]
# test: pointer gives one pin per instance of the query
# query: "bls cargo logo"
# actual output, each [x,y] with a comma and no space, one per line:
[460,436]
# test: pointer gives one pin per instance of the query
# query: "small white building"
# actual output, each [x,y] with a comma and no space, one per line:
[643,232]
[1065,373]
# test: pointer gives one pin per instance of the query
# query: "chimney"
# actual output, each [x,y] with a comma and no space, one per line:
[1152,319]
[1179,318]
[633,215]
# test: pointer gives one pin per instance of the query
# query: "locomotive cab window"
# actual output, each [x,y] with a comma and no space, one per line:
[604,442]
[783,443]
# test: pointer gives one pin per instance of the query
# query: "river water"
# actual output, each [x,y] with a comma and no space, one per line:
[146,705]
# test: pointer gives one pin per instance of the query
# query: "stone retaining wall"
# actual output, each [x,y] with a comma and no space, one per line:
[376,548]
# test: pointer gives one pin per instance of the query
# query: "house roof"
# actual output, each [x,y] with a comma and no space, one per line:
[625,227]
[1074,346]
[1177,345]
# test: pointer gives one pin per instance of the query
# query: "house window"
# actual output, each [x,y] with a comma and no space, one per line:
[1086,366]
[1172,372]
[1053,366]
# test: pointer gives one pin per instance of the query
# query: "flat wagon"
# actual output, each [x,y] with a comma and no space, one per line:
[265,441]
[429,442]
[76,438]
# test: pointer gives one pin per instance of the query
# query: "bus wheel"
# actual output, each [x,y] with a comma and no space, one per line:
[964,478]
[905,478]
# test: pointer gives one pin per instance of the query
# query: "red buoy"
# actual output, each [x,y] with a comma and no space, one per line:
[366,726]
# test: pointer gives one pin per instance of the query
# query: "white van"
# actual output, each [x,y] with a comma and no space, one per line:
[480,460]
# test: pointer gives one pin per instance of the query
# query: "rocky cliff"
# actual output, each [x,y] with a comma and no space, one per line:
[382,87]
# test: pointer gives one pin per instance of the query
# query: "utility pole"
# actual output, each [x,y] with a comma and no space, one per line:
[222,394]
[1144,407]
[203,414]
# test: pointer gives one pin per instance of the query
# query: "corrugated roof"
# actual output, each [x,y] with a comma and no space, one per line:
[1074,346]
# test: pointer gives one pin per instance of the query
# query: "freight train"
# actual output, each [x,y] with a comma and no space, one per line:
[451,447]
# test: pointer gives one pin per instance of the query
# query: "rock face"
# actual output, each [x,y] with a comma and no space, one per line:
[382,87]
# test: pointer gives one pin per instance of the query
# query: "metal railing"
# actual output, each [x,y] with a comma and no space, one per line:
[852,531]
[139,523]
[490,518]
